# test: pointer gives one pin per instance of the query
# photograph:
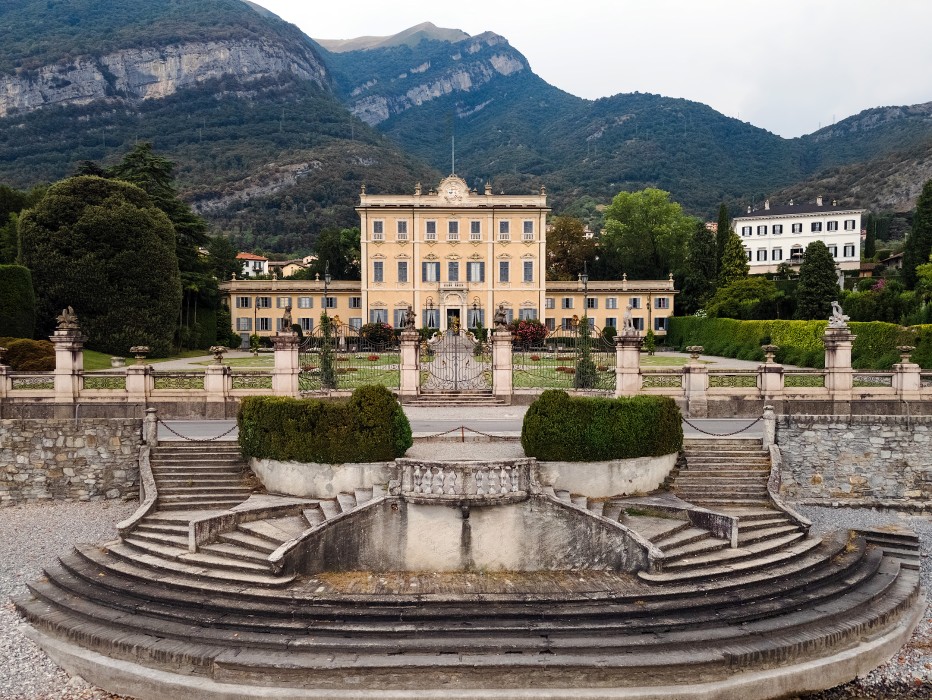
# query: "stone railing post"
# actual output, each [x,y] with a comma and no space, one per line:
[770,375]
[285,373]
[150,428]
[218,381]
[6,381]
[839,377]
[770,427]
[410,380]
[139,382]
[696,385]
[907,379]
[627,364]
[69,360]
[502,369]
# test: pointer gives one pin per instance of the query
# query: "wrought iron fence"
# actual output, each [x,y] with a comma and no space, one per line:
[803,380]
[925,381]
[873,379]
[576,358]
[252,380]
[32,382]
[455,360]
[733,380]
[662,379]
[106,382]
[337,356]
[178,380]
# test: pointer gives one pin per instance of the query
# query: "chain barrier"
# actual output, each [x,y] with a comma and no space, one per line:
[190,439]
[740,430]
[462,430]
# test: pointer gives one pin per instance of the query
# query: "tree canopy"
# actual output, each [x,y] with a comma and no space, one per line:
[339,248]
[103,247]
[745,298]
[734,262]
[646,235]
[568,249]
[698,283]
[818,283]
[919,241]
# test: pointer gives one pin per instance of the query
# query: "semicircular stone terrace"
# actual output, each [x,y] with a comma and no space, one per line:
[708,588]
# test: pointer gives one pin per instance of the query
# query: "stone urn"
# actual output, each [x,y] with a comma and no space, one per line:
[694,351]
[905,351]
[139,352]
[769,351]
[118,362]
[218,351]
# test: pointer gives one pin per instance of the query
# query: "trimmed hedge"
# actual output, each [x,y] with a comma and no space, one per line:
[24,355]
[17,301]
[581,429]
[368,427]
[800,342]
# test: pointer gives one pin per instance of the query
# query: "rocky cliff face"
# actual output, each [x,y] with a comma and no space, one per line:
[151,73]
[470,64]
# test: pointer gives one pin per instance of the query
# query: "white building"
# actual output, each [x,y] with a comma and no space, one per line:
[774,235]
[253,265]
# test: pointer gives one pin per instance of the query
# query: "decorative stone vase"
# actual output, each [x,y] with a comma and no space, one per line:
[218,351]
[769,351]
[118,362]
[905,351]
[694,351]
[139,352]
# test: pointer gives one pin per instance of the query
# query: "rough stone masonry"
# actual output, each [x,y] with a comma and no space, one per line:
[68,460]
[865,458]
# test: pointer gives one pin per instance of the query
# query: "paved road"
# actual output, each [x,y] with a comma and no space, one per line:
[428,421]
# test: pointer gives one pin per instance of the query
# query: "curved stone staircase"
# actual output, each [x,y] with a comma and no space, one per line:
[144,617]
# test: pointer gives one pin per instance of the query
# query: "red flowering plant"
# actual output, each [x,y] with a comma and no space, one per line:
[528,332]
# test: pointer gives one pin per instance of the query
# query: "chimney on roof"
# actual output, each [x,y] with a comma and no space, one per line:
[749,208]
[834,202]
[766,205]
[791,202]
[818,201]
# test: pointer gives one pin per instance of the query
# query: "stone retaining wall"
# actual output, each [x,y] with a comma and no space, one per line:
[83,460]
[839,458]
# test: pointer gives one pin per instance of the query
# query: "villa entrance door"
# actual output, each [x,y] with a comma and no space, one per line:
[455,361]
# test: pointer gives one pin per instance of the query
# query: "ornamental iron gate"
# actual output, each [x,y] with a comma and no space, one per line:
[455,361]
[572,358]
[338,356]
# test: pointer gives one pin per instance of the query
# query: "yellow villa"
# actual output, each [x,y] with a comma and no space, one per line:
[453,255]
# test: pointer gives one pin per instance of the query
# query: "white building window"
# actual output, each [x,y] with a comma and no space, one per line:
[528,271]
[566,303]
[475,272]
[378,271]
[833,249]
[849,250]
[402,270]
[527,314]
[528,233]
[264,323]
[815,226]
[611,303]
[635,302]
[776,254]
[378,230]
[662,303]
[592,302]
[849,224]
[475,230]
[453,230]
[330,302]
[762,255]
[283,302]
[504,271]
[355,323]
[761,230]
[355,302]
[796,252]
[263,302]
[307,324]
[430,271]
[402,230]
[831,226]
[305,302]
[745,231]
[549,303]
[777,229]
[747,252]
[504,230]
[453,272]
[430,230]
[244,324]
[378,315]
[797,228]
[243,302]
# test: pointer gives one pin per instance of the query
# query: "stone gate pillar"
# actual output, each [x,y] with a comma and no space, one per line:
[502,369]
[770,375]
[627,364]
[69,356]
[6,381]
[410,382]
[907,379]
[839,377]
[285,373]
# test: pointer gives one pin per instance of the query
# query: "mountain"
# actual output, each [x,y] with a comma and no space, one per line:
[241,100]
[274,132]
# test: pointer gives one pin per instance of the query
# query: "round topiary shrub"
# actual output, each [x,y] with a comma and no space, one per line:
[24,355]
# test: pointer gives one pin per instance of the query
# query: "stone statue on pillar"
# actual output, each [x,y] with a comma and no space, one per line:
[499,319]
[838,318]
[68,320]
[408,321]
[287,320]
[627,323]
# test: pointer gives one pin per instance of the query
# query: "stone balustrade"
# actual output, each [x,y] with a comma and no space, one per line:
[465,483]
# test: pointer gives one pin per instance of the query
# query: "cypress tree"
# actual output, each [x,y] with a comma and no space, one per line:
[734,265]
[818,283]
[721,235]
[919,241]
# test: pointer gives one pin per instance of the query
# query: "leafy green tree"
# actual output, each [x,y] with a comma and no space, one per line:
[818,283]
[328,374]
[870,240]
[104,248]
[568,249]
[919,241]
[340,249]
[17,302]
[585,376]
[221,258]
[701,268]
[721,235]
[645,236]
[734,262]
[12,202]
[746,298]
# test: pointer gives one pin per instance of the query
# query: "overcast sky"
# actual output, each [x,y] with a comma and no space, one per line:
[789,66]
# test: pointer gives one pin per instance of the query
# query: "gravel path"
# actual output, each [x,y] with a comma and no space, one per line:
[35,535]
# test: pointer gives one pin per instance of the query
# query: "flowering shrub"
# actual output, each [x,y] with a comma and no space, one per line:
[528,331]
[379,333]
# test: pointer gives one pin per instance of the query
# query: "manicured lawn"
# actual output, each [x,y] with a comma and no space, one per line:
[94,360]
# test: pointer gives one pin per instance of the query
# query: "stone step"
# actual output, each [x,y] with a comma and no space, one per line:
[580,501]
[157,528]
[763,523]
[563,495]
[692,549]
[330,509]
[314,516]
[235,551]
[219,489]
[720,504]
[346,501]
[760,552]
[244,539]
[207,560]
[174,539]
[596,507]
[746,537]
[681,538]
[201,504]
[205,481]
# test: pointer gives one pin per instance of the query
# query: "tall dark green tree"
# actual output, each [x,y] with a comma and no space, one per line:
[339,248]
[568,249]
[700,273]
[818,283]
[919,241]
[103,247]
[870,240]
[734,262]
[721,235]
